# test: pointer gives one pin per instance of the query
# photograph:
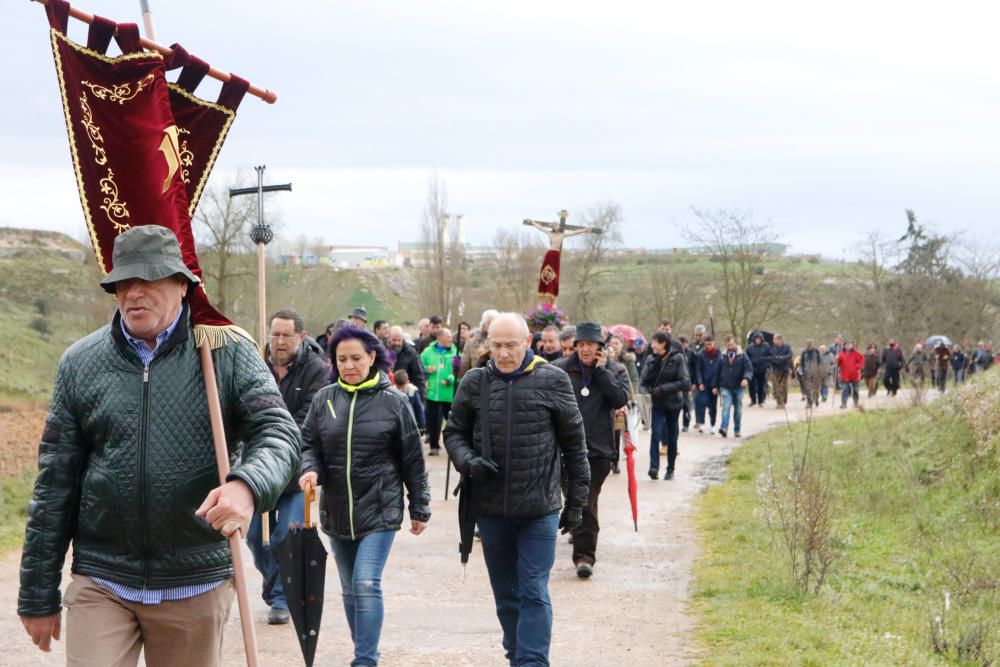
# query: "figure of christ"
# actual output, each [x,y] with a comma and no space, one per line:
[548,276]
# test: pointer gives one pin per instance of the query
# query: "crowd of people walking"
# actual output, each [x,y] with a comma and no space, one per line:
[533,421]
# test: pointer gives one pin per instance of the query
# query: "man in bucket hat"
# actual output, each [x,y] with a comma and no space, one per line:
[127,473]
[598,394]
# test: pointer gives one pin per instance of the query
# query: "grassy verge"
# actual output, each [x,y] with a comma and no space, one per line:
[15,493]
[917,517]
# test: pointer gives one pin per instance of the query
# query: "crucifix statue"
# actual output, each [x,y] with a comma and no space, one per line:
[548,276]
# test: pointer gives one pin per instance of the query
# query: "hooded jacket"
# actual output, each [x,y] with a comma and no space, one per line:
[605,394]
[758,355]
[536,436]
[363,444]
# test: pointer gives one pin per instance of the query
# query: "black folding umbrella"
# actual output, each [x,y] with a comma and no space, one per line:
[302,562]
[466,514]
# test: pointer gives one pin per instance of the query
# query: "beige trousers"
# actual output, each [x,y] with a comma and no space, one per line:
[103,630]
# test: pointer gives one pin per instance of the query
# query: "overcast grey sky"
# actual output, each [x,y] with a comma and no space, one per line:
[827,122]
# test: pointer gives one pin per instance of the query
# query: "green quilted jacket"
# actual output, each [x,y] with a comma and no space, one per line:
[126,457]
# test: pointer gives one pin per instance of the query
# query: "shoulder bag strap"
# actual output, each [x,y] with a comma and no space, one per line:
[484,416]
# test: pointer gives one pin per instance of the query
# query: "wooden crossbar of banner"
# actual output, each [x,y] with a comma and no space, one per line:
[268,96]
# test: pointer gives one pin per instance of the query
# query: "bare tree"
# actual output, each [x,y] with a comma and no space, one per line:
[674,295]
[517,255]
[753,294]
[590,262]
[222,228]
[442,273]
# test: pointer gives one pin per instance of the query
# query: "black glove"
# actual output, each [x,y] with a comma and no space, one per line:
[481,469]
[570,519]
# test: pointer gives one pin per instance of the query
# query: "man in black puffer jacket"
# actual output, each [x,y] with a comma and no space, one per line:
[298,366]
[125,460]
[598,394]
[535,431]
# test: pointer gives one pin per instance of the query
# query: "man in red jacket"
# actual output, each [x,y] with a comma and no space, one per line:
[849,364]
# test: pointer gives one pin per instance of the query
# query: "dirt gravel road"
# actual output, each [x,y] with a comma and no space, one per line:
[634,611]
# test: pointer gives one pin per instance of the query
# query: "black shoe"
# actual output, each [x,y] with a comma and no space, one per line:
[584,570]
[435,451]
[669,475]
[722,432]
[653,474]
[736,435]
[615,469]
[278,616]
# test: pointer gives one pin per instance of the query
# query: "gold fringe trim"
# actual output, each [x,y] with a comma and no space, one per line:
[219,336]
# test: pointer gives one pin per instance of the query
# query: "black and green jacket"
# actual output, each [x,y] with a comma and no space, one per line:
[126,458]
[363,444]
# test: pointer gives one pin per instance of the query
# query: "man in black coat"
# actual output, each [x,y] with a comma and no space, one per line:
[781,369]
[407,358]
[297,364]
[535,432]
[598,394]
[758,352]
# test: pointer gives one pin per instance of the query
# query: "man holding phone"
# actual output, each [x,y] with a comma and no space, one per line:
[598,395]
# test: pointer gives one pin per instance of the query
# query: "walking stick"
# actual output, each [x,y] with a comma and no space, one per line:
[222,459]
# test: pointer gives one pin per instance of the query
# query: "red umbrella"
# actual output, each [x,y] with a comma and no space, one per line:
[627,331]
[631,426]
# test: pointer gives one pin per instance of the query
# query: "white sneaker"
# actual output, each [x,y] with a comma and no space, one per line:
[712,431]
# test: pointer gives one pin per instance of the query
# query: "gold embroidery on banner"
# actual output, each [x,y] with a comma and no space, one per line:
[93,132]
[210,162]
[172,154]
[186,156]
[55,37]
[120,93]
[116,210]
[548,274]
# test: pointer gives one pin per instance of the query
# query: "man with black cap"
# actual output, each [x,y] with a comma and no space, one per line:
[127,473]
[598,395]
[359,317]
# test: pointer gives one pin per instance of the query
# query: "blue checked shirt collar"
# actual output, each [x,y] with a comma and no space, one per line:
[141,347]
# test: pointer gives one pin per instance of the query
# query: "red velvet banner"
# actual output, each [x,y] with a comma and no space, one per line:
[141,152]
[548,277]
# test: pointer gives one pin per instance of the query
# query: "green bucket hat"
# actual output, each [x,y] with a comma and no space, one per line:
[149,252]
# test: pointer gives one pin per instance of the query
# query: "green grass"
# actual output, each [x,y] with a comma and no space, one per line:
[917,515]
[15,493]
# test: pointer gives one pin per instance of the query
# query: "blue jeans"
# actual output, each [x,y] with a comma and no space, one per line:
[290,509]
[665,430]
[849,389]
[519,555]
[360,564]
[702,400]
[734,398]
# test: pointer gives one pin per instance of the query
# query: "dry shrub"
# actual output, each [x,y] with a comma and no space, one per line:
[798,506]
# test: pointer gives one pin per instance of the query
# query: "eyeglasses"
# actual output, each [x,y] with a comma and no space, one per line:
[281,336]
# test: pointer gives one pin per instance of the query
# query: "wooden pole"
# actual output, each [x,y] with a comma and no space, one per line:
[268,96]
[222,459]
[265,518]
